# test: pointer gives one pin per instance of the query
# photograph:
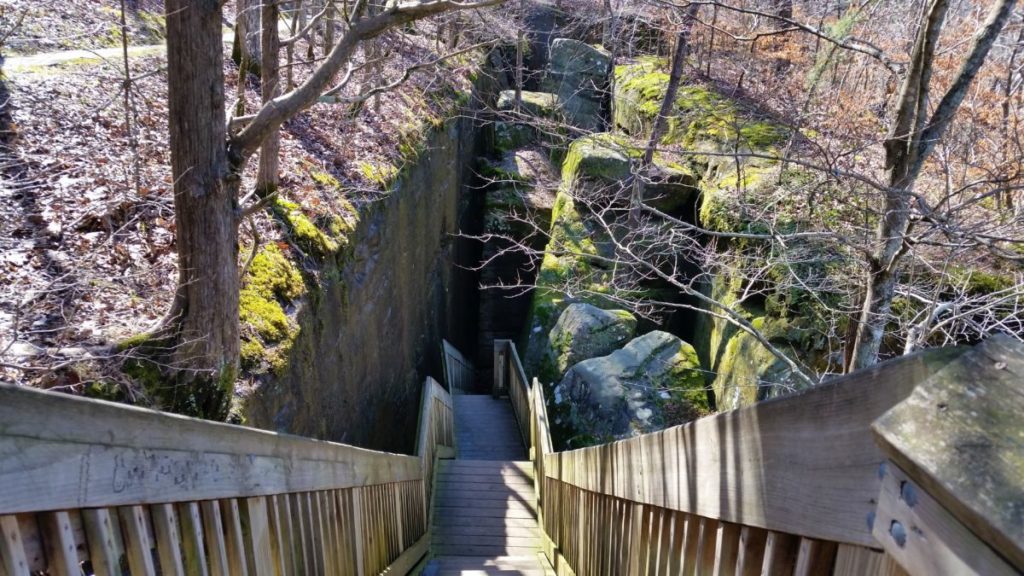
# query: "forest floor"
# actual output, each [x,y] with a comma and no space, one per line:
[87,246]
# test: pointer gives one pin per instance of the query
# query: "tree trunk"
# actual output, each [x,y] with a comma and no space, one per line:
[204,317]
[267,173]
[910,141]
[246,48]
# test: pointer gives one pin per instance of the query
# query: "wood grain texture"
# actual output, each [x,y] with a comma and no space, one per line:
[960,436]
[12,550]
[94,454]
[165,527]
[924,538]
[766,465]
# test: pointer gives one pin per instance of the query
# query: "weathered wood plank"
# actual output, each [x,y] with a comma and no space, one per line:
[235,540]
[960,436]
[12,548]
[60,545]
[693,468]
[261,537]
[727,542]
[137,543]
[168,547]
[751,551]
[213,531]
[104,540]
[192,545]
[924,538]
[815,557]
[780,553]
[94,454]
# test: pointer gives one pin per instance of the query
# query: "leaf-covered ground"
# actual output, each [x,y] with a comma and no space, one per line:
[87,248]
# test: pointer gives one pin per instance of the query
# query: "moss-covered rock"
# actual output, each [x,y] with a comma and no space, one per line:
[653,382]
[270,285]
[509,136]
[578,73]
[584,331]
[539,104]
[700,115]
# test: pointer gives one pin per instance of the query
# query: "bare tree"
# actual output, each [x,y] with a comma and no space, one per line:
[912,138]
[207,162]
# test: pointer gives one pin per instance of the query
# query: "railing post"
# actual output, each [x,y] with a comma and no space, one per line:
[954,467]
[500,367]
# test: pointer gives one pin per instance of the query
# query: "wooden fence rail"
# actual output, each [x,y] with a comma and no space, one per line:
[798,485]
[459,374]
[436,435]
[86,484]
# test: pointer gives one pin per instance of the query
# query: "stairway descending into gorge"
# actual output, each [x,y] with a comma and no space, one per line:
[484,518]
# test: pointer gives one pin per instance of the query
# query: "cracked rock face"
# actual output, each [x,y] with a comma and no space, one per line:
[652,383]
[584,331]
[578,73]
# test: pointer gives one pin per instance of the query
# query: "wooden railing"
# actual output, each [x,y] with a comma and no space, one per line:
[797,485]
[436,434]
[118,490]
[510,378]
[459,374]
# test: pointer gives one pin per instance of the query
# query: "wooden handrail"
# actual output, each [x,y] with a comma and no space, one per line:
[952,496]
[436,431]
[459,374]
[87,480]
[510,378]
[788,486]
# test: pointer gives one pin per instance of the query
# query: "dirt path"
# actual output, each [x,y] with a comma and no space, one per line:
[21,64]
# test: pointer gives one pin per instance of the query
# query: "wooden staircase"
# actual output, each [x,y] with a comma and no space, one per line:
[484,518]
[919,457]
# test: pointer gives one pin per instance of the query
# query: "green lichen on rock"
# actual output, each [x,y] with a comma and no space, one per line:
[307,235]
[651,383]
[566,262]
[604,156]
[699,115]
[512,136]
[271,283]
[584,331]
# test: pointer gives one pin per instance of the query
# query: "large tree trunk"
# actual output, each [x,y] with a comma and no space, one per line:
[205,312]
[267,173]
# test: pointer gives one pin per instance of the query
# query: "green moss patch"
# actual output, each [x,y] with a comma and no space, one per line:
[271,283]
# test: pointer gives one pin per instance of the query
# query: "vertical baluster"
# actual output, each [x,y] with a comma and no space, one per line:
[140,555]
[815,557]
[235,544]
[727,543]
[104,541]
[780,554]
[12,547]
[357,529]
[279,537]
[751,556]
[260,536]
[192,545]
[60,544]
[213,529]
[168,547]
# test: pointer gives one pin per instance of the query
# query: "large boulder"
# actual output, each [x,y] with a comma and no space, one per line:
[584,331]
[540,104]
[579,73]
[653,382]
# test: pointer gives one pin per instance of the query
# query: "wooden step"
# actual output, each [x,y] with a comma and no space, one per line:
[527,565]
